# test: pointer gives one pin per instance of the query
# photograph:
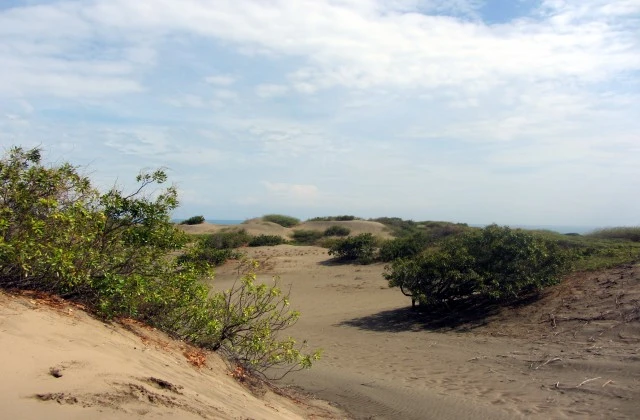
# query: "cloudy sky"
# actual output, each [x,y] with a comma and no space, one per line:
[506,111]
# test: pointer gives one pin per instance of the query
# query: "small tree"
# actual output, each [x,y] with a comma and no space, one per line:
[193,220]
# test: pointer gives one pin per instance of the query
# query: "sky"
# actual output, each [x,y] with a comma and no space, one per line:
[497,111]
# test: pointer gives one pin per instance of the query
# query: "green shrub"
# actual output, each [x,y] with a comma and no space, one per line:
[194,220]
[496,263]
[226,239]
[112,252]
[306,237]
[360,248]
[398,226]
[337,231]
[344,218]
[267,240]
[203,255]
[282,220]
[404,247]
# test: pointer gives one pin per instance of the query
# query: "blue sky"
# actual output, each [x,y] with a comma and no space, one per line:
[514,112]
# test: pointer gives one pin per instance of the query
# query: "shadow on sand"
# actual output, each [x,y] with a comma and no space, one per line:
[462,318]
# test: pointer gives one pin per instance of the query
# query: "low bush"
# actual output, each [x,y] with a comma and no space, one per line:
[306,237]
[226,239]
[282,220]
[194,220]
[344,218]
[200,254]
[495,263]
[336,230]
[267,240]
[360,248]
[403,247]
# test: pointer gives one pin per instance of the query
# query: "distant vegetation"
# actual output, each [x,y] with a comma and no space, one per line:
[115,253]
[625,233]
[337,231]
[306,236]
[267,240]
[282,220]
[194,220]
[404,247]
[344,218]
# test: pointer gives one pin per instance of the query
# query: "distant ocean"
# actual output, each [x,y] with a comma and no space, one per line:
[224,221]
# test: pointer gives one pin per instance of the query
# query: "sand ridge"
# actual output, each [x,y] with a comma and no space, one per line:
[57,362]
[256,227]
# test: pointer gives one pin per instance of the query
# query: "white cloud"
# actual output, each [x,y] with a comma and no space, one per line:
[271,90]
[396,96]
[221,80]
[303,192]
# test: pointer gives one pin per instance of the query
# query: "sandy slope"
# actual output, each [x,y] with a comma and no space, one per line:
[573,354]
[59,363]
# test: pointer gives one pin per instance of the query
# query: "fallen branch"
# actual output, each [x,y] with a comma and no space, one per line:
[587,380]
[555,359]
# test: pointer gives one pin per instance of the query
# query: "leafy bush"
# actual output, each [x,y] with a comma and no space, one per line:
[398,226]
[404,247]
[496,263]
[282,220]
[112,252]
[194,220]
[337,231]
[306,237]
[201,255]
[267,240]
[226,239]
[360,248]
[344,218]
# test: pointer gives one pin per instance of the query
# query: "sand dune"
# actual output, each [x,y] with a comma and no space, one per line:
[59,363]
[260,227]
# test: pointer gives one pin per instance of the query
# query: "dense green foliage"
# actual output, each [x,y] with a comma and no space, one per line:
[434,230]
[344,218]
[495,263]
[112,252]
[625,233]
[404,247]
[267,240]
[282,220]
[306,237]
[360,248]
[193,220]
[336,230]
[227,239]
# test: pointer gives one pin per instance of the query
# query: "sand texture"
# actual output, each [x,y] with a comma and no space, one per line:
[59,363]
[575,353]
